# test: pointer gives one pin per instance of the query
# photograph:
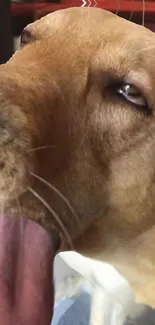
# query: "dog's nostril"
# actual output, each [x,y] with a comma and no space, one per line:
[2,164]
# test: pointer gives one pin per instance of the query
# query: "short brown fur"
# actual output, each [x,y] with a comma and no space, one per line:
[99,150]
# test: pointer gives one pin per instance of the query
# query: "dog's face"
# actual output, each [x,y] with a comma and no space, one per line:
[78,136]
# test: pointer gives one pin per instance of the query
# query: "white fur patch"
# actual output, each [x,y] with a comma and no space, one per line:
[112,298]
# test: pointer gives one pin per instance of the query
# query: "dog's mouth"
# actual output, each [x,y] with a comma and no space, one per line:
[26,273]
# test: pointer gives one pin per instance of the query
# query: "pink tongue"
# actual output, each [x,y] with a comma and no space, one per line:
[26,279]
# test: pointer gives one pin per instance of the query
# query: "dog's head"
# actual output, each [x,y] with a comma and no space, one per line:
[77,135]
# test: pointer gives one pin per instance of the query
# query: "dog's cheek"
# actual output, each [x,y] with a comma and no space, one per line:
[123,146]
[132,190]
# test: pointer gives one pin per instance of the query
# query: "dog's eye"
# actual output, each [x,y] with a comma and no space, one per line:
[132,94]
[25,37]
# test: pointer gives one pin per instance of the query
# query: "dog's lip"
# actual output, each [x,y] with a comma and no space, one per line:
[26,273]
[55,237]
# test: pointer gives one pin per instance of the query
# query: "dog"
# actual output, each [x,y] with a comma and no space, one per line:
[78,138]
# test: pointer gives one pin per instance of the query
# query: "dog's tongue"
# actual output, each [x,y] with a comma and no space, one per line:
[26,279]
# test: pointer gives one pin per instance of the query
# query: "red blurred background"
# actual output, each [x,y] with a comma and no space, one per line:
[16,14]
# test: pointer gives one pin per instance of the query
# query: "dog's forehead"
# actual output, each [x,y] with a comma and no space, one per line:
[82,21]
[99,37]
[89,24]
[69,18]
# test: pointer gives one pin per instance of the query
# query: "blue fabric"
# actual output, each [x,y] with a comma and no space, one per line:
[76,311]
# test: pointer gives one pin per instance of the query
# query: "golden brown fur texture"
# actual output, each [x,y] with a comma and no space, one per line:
[62,120]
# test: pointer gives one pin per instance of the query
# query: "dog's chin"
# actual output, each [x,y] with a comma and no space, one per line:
[26,274]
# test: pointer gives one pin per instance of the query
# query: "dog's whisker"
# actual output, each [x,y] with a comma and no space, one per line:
[143,13]
[54,214]
[20,216]
[132,12]
[54,189]
[148,48]
[118,6]
[41,148]
[60,93]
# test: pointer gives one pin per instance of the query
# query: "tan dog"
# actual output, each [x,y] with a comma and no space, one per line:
[78,137]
